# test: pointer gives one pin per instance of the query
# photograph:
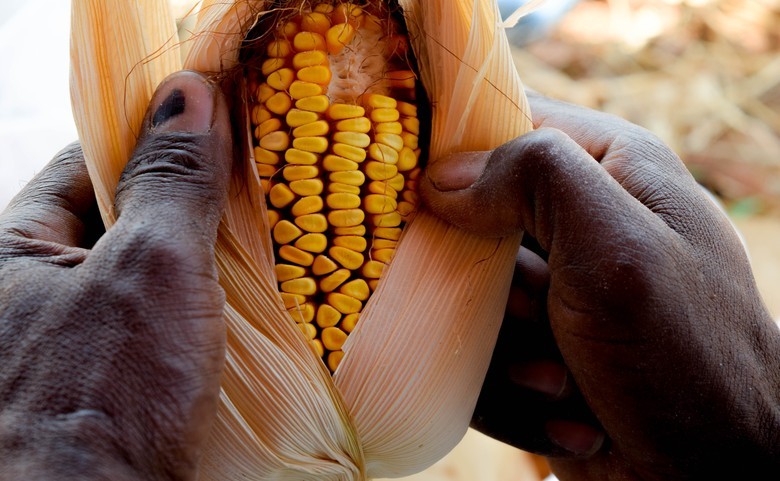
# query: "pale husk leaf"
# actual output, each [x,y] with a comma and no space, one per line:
[120,52]
[439,307]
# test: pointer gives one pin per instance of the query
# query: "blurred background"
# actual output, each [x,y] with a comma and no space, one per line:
[704,75]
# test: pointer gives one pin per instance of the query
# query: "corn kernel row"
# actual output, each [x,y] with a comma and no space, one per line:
[338,170]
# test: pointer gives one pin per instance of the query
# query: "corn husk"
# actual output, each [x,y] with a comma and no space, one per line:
[404,393]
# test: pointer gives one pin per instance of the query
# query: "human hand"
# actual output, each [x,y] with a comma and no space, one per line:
[635,345]
[112,346]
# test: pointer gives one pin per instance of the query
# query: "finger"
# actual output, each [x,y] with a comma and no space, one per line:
[173,190]
[57,207]
[644,166]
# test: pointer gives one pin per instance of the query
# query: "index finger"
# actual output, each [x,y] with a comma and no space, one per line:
[57,206]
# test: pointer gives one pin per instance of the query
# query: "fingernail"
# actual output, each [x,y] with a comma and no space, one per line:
[184,102]
[457,171]
[577,438]
[546,377]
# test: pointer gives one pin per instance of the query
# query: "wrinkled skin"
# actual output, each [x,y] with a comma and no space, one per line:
[635,344]
[112,345]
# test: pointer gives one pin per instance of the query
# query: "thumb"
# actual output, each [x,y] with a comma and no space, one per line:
[177,177]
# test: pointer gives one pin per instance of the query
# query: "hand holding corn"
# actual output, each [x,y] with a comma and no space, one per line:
[112,345]
[635,344]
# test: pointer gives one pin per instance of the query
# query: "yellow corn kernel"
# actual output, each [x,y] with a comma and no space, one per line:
[299,89]
[281,79]
[337,187]
[323,265]
[273,216]
[407,159]
[308,330]
[303,313]
[272,65]
[343,303]
[383,188]
[346,217]
[265,170]
[355,139]
[327,316]
[392,233]
[300,157]
[407,109]
[335,163]
[267,127]
[312,129]
[383,255]
[307,205]
[298,117]
[289,29]
[277,141]
[333,338]
[346,257]
[356,243]
[265,156]
[286,272]
[315,243]
[334,359]
[309,59]
[315,22]
[383,153]
[373,269]
[280,48]
[383,244]
[349,322]
[379,204]
[316,103]
[311,144]
[334,280]
[300,172]
[359,230]
[360,124]
[295,255]
[312,223]
[357,288]
[384,115]
[342,201]
[402,79]
[292,301]
[355,154]
[286,232]
[279,103]
[307,187]
[345,111]
[319,349]
[391,219]
[281,196]
[389,128]
[396,142]
[380,170]
[318,74]
[304,41]
[347,13]
[339,36]
[305,286]
[260,114]
[354,177]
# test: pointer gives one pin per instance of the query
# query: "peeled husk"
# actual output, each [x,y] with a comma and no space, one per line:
[403,395]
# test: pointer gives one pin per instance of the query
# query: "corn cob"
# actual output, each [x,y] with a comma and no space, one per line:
[336,146]
[402,394]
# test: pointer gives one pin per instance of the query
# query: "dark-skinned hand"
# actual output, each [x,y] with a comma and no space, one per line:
[112,344]
[635,345]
